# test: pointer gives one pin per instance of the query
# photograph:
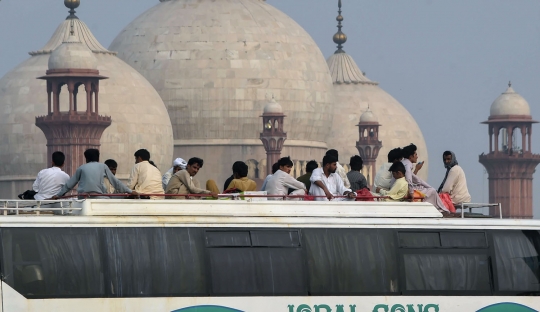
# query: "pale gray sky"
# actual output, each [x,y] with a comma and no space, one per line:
[445,61]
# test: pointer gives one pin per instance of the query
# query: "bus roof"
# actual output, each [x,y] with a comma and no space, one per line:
[246,213]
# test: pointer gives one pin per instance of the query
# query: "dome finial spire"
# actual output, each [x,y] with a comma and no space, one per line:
[72,5]
[510,84]
[340,38]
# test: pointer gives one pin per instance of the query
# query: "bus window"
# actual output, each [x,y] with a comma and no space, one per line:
[464,239]
[517,260]
[351,261]
[155,261]
[271,265]
[53,262]
[445,271]
[227,238]
[419,239]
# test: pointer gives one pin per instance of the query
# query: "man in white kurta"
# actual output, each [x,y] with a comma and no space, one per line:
[282,181]
[49,181]
[144,177]
[326,184]
[454,183]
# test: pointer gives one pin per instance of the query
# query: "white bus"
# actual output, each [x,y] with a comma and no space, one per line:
[264,256]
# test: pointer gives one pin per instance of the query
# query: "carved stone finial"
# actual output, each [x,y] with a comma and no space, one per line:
[339,38]
[72,5]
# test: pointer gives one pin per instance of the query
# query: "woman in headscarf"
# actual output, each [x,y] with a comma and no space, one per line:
[178,164]
[410,157]
[454,182]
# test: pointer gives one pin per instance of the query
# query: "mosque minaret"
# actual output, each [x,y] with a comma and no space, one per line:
[139,117]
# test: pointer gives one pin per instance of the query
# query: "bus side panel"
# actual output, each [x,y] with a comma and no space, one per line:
[13,301]
[279,304]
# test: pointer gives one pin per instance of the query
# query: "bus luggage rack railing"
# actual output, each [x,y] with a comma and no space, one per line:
[16,206]
[472,206]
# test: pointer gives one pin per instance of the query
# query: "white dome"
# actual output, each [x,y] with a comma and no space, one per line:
[213,62]
[273,107]
[139,117]
[368,116]
[72,54]
[510,103]
[398,128]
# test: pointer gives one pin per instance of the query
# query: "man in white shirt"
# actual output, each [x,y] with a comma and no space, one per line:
[144,177]
[325,182]
[49,181]
[340,171]
[454,183]
[383,178]
[282,181]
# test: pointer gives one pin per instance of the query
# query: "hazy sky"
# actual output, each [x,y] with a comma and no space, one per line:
[445,61]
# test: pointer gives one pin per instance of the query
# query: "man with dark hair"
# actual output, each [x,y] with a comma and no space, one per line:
[113,166]
[454,182]
[49,181]
[383,178]
[410,157]
[282,181]
[275,167]
[310,166]
[400,189]
[241,181]
[325,182]
[144,177]
[90,178]
[229,179]
[183,182]
[356,178]
[340,171]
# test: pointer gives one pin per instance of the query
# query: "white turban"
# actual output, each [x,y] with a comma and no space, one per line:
[180,162]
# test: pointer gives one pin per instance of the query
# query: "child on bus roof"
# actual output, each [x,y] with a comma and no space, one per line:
[400,189]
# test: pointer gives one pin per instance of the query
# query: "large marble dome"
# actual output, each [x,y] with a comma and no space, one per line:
[139,117]
[216,64]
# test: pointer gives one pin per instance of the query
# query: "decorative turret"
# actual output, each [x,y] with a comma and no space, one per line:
[75,129]
[510,162]
[273,135]
[368,143]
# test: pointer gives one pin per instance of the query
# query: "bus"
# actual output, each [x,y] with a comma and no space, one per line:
[263,256]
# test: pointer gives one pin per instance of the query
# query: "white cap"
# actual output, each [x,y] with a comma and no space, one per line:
[180,162]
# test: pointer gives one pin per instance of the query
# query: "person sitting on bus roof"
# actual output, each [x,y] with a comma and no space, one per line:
[183,182]
[383,178]
[282,183]
[454,182]
[178,164]
[113,166]
[49,181]
[275,167]
[356,178]
[144,177]
[229,179]
[340,171]
[325,182]
[400,189]
[431,196]
[310,166]
[90,178]
[241,181]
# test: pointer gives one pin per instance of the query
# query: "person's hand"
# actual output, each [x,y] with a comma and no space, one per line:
[55,197]
[351,195]
[378,190]
[306,191]
[214,195]
[329,195]
[419,166]
[135,194]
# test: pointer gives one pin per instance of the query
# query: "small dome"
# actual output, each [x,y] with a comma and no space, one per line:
[72,54]
[368,116]
[273,107]
[510,103]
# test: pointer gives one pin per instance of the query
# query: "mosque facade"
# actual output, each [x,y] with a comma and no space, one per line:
[191,78]
[216,64]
